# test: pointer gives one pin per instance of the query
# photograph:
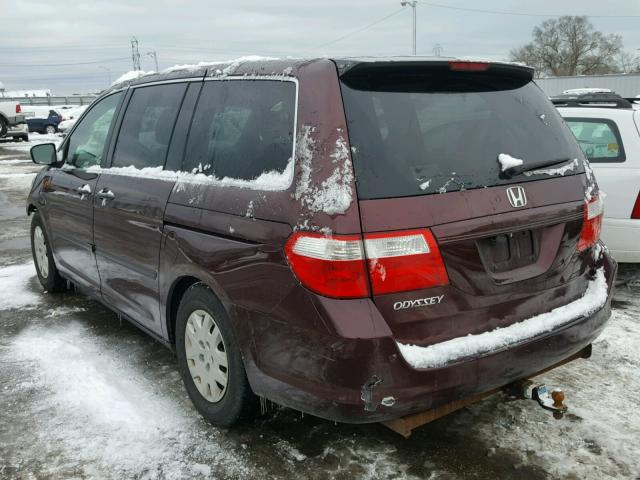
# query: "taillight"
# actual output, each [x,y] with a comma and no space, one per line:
[465,66]
[18,108]
[406,260]
[635,213]
[334,266]
[329,265]
[593,213]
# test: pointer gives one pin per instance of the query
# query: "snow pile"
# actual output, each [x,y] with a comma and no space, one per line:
[234,64]
[267,181]
[425,185]
[16,292]
[554,171]
[189,66]
[442,353]
[110,414]
[66,125]
[130,75]
[507,161]
[334,195]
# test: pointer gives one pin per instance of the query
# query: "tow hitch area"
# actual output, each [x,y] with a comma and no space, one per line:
[549,399]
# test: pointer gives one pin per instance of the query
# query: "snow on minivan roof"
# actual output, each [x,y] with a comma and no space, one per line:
[258,65]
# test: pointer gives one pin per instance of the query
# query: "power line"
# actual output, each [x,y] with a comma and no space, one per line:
[519,14]
[107,60]
[361,29]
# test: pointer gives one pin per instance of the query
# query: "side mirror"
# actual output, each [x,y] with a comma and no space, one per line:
[44,154]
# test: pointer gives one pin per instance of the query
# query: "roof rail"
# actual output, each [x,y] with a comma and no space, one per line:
[598,100]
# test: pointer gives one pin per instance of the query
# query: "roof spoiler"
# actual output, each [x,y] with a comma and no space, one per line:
[369,73]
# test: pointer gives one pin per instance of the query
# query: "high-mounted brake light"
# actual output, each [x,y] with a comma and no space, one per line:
[592,225]
[335,266]
[329,265]
[402,261]
[635,213]
[18,108]
[464,66]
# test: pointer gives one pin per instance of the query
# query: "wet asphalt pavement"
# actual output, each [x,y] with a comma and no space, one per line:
[85,396]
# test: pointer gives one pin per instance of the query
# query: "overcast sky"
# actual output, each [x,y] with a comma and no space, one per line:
[37,36]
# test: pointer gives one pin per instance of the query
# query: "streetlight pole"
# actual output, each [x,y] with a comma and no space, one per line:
[413,4]
[108,70]
[154,55]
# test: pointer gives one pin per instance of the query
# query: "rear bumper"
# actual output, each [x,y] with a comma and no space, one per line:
[358,380]
[621,235]
[16,120]
[20,130]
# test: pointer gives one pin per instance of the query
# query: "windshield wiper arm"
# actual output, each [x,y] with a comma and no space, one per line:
[519,169]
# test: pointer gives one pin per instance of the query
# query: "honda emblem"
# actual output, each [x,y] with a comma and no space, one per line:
[517,197]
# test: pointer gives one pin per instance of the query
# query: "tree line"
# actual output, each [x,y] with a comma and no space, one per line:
[570,45]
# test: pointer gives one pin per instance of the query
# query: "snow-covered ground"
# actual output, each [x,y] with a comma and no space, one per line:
[84,396]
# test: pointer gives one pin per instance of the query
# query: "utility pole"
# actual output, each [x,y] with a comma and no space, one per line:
[413,4]
[154,55]
[437,50]
[135,54]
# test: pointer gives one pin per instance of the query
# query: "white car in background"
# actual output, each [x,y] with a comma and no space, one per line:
[610,138]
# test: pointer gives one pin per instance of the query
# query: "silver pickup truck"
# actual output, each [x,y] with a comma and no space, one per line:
[10,115]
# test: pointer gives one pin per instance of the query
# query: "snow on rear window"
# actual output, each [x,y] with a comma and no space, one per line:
[425,138]
[507,161]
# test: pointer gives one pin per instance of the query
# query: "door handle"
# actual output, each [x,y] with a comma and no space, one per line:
[84,190]
[106,194]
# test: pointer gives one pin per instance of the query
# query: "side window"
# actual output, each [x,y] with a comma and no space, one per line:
[87,142]
[147,126]
[242,129]
[599,139]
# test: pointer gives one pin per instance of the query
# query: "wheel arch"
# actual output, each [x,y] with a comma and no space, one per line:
[176,292]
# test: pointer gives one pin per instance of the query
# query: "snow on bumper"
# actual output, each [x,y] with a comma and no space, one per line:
[440,354]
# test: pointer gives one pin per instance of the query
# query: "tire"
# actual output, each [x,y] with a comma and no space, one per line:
[46,269]
[50,129]
[225,406]
[4,127]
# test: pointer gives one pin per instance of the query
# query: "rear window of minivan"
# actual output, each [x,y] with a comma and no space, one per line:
[439,132]
[242,129]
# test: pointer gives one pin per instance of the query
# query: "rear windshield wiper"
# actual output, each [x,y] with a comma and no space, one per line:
[519,169]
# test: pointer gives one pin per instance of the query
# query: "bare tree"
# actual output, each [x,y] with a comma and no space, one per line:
[628,62]
[570,46]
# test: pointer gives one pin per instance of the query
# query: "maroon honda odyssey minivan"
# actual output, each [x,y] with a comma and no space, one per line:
[360,239]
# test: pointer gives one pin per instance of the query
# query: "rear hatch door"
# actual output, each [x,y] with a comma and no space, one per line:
[426,138]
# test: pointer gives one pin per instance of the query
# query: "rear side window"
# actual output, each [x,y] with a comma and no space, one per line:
[436,133]
[147,126]
[599,139]
[242,129]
